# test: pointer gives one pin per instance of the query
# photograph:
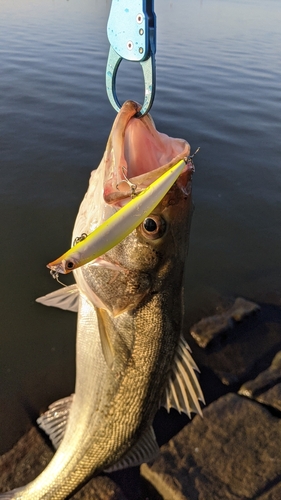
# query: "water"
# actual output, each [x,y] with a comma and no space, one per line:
[218,86]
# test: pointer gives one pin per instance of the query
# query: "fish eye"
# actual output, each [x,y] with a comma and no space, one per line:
[153,227]
[150,225]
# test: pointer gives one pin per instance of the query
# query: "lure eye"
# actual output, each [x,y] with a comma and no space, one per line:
[69,265]
[153,227]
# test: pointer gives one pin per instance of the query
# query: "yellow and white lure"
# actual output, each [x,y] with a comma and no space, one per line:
[119,225]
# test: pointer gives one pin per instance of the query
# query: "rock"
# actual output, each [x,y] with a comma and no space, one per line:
[100,488]
[242,354]
[209,328]
[266,388]
[206,330]
[273,493]
[233,453]
[30,456]
[242,308]
[24,461]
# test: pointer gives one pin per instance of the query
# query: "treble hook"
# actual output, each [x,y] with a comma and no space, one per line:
[130,184]
[189,159]
[55,276]
[192,156]
[79,238]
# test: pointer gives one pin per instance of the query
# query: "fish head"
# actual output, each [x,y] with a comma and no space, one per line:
[152,257]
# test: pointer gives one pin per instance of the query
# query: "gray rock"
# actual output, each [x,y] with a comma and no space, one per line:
[266,388]
[30,456]
[273,493]
[243,352]
[233,453]
[207,329]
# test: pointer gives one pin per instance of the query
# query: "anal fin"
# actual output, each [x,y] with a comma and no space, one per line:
[54,420]
[145,450]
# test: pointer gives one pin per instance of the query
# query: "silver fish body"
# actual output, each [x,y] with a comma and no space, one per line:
[131,357]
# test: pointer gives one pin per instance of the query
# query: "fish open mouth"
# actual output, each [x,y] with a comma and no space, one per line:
[137,154]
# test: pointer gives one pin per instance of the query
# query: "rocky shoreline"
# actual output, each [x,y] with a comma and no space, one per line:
[233,453]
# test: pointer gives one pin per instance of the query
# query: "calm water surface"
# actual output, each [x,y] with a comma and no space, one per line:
[218,86]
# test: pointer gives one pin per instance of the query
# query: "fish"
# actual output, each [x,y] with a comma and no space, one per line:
[131,355]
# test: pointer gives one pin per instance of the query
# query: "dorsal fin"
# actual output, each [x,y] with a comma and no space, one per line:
[145,450]
[183,391]
[66,298]
[54,420]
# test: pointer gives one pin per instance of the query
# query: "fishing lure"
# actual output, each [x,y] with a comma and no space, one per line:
[119,225]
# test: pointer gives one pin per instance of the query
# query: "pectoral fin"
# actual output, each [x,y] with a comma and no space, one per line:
[112,341]
[66,298]
[106,345]
[145,450]
[183,391]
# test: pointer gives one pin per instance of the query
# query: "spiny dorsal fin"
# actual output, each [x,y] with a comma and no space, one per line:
[54,420]
[145,450]
[183,391]
[66,298]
